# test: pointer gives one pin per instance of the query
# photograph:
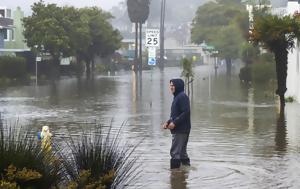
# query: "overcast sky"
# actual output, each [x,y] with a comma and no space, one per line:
[104,4]
[25,4]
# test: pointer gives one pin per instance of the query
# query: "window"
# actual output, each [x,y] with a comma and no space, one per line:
[5,34]
[2,13]
[8,13]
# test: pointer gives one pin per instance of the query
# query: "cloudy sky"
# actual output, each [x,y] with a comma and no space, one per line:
[25,4]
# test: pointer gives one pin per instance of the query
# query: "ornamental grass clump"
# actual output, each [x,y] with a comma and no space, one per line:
[24,164]
[100,161]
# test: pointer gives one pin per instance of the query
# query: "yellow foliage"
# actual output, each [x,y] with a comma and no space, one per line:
[28,174]
[8,185]
[109,177]
[72,185]
[86,182]
[12,174]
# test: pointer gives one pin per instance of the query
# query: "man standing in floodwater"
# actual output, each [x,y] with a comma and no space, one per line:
[179,124]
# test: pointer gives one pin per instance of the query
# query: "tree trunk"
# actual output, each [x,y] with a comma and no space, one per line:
[88,69]
[93,66]
[78,67]
[55,69]
[281,56]
[280,137]
[136,48]
[228,66]
[141,54]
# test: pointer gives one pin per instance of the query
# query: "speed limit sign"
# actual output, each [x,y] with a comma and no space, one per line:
[152,38]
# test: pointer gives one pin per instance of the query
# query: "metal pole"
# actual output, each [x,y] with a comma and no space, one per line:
[140,49]
[162,25]
[36,70]
[209,82]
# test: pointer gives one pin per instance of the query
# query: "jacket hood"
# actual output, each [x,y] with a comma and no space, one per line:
[179,86]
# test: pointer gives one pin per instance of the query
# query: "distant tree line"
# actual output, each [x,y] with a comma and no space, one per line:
[67,31]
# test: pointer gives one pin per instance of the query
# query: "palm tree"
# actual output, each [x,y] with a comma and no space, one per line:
[278,35]
[138,11]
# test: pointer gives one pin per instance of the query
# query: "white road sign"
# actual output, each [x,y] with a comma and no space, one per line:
[152,38]
[38,59]
[152,56]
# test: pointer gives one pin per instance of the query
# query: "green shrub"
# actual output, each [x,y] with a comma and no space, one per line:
[96,160]
[101,68]
[13,67]
[263,72]
[245,74]
[187,68]
[289,99]
[24,162]
[104,161]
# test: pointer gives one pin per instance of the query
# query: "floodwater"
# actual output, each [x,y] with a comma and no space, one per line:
[238,139]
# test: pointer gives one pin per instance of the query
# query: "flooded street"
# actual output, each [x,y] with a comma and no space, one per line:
[238,139]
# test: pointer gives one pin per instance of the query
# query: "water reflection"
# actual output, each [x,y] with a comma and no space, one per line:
[280,137]
[53,99]
[178,179]
[250,109]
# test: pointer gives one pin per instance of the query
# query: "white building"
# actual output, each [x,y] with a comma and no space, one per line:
[293,72]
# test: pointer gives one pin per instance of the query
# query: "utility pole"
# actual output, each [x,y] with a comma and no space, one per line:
[140,67]
[162,29]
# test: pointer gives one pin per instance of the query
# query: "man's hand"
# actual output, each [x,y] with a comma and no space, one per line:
[171,125]
[165,126]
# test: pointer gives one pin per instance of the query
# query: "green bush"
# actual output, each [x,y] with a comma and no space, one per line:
[245,74]
[13,67]
[106,163]
[101,68]
[24,163]
[94,160]
[290,99]
[263,72]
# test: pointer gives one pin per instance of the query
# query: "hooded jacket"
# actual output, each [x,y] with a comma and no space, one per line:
[180,109]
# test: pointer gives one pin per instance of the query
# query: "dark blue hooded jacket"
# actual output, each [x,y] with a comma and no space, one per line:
[180,109]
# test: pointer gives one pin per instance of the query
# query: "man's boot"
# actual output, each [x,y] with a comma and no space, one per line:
[186,162]
[174,163]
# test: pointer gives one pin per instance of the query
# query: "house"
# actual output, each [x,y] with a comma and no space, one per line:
[293,73]
[11,31]
[6,26]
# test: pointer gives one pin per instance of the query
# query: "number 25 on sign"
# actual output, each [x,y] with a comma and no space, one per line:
[152,38]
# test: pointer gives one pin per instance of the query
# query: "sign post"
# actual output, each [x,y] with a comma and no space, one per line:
[37,59]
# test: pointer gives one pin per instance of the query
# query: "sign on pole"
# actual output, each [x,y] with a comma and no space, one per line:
[38,59]
[152,56]
[152,38]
